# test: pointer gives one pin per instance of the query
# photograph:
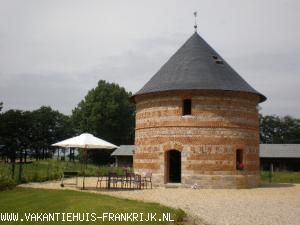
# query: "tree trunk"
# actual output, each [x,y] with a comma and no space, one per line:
[36,155]
[13,165]
[20,166]
[25,156]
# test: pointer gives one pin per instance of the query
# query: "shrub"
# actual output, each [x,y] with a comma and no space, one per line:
[6,183]
[179,215]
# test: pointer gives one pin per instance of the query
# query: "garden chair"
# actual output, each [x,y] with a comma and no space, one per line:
[137,182]
[114,179]
[129,180]
[147,179]
[101,178]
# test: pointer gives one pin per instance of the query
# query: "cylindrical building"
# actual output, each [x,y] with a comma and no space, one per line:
[197,122]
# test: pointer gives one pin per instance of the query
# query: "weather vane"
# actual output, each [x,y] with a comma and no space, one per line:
[195,26]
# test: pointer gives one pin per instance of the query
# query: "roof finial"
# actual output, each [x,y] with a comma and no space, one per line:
[195,26]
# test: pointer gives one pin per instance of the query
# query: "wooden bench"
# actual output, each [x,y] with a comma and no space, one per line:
[68,174]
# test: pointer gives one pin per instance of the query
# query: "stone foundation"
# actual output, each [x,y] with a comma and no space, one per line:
[212,181]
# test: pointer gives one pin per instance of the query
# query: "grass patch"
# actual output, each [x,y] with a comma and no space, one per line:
[23,200]
[44,170]
[281,177]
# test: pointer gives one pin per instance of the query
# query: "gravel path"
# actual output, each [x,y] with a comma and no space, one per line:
[269,205]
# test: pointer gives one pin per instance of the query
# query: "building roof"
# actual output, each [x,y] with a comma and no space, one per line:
[197,66]
[123,150]
[279,151]
[266,151]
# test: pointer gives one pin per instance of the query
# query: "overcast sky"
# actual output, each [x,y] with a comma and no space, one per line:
[53,52]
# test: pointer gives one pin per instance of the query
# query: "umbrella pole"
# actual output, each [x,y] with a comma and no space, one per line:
[85,165]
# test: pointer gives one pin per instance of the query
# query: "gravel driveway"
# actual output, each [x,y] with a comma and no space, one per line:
[268,205]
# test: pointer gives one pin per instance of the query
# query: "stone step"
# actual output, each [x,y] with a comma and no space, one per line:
[173,185]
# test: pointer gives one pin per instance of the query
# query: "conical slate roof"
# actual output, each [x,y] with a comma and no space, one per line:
[197,66]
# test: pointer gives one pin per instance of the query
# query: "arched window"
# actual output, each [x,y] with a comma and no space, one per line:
[239,159]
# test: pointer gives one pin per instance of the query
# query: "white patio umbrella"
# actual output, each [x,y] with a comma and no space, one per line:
[85,141]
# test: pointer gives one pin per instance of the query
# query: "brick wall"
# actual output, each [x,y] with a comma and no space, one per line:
[221,122]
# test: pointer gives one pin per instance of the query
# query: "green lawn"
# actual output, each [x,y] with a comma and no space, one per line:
[23,200]
[43,170]
[281,177]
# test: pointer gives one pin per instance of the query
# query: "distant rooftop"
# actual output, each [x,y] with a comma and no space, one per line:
[266,151]
[279,151]
[123,150]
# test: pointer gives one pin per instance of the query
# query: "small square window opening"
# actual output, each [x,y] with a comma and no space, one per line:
[187,107]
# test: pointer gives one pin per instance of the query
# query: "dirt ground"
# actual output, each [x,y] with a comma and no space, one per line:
[275,204]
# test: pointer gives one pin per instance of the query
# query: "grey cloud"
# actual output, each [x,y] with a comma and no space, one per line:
[276,75]
[30,91]
[53,52]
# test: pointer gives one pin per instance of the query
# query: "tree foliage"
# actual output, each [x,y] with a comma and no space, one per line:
[279,130]
[14,131]
[106,112]
[48,127]
[36,130]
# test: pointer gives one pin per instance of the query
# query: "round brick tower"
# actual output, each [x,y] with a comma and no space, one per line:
[197,122]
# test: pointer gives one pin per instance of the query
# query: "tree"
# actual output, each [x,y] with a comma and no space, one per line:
[48,127]
[36,130]
[14,134]
[106,112]
[279,130]
[1,141]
